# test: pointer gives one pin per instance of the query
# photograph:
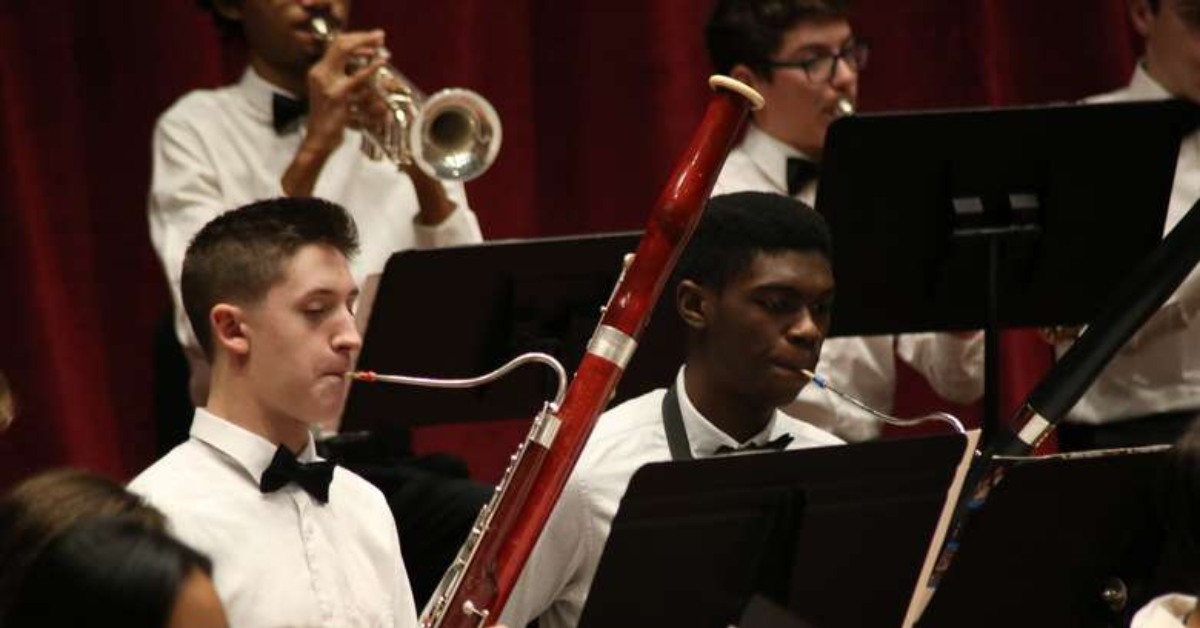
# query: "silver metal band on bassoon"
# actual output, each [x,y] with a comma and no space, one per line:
[613,345]
[1034,429]
[545,428]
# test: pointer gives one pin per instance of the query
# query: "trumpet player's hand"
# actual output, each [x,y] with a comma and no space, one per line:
[332,95]
[433,205]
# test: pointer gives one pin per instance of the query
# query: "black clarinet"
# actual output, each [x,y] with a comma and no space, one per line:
[1136,299]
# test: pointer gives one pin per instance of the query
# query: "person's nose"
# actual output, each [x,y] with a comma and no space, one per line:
[804,329]
[317,7]
[845,77]
[347,338]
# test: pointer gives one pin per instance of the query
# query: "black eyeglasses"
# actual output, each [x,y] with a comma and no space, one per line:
[823,67]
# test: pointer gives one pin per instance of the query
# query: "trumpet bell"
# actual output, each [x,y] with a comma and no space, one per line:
[456,135]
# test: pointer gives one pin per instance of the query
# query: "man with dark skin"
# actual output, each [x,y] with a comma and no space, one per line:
[755,290]
[804,57]
[286,128]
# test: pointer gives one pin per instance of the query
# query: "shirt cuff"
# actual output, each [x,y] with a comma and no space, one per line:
[460,227]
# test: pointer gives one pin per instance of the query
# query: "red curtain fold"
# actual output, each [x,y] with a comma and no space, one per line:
[597,98]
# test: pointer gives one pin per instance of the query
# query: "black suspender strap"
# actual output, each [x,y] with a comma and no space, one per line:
[677,439]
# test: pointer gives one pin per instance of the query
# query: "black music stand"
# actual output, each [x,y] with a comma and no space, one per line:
[1052,537]
[817,531]
[463,311]
[763,613]
[983,219]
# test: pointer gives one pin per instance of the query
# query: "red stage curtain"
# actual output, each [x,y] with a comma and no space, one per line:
[597,98]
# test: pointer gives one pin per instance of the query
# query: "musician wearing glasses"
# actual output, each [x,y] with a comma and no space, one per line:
[1150,390]
[804,58]
[755,289]
[284,130]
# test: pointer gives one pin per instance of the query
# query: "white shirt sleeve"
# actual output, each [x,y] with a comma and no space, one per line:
[554,574]
[952,364]
[184,195]
[460,227]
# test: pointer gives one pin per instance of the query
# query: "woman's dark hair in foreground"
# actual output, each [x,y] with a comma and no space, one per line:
[105,571]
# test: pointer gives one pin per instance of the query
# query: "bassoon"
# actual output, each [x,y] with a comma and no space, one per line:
[478,584]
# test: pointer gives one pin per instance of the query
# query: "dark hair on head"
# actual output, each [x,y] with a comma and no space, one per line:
[226,28]
[737,227]
[106,571]
[238,256]
[42,507]
[749,32]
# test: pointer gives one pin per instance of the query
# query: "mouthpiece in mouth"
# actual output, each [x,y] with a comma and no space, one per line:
[322,27]
[845,107]
[816,379]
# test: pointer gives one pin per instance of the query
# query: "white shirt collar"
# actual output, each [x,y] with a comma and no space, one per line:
[1143,86]
[257,94]
[769,154]
[703,437]
[249,450]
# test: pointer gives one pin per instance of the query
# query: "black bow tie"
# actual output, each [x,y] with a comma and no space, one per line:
[313,477]
[778,444]
[799,173]
[285,110]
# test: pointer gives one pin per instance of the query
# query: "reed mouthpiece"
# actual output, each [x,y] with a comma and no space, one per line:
[816,379]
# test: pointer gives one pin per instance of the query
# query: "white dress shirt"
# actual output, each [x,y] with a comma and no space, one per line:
[864,365]
[759,164]
[555,581]
[215,150]
[282,558]
[1158,370]
[1166,611]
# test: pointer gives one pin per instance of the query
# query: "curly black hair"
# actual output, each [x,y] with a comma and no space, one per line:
[736,227]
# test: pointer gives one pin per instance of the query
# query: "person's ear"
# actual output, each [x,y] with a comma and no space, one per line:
[1142,16]
[744,74]
[229,333]
[229,9]
[693,302]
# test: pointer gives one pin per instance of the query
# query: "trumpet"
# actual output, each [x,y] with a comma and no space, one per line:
[453,135]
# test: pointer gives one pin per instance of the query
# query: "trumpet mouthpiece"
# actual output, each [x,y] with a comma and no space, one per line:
[845,107]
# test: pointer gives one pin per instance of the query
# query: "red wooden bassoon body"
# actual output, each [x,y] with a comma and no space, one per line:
[477,586]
